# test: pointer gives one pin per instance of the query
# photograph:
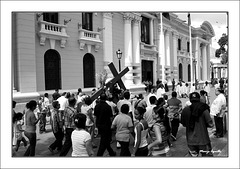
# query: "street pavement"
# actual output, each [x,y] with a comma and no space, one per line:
[179,148]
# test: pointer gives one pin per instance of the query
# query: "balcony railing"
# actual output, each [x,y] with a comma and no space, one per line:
[89,38]
[52,32]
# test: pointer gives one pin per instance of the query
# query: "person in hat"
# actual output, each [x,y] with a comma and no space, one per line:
[218,108]
[196,118]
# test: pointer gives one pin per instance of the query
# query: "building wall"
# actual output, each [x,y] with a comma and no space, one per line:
[28,54]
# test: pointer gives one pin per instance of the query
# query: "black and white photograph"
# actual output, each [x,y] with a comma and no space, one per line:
[119,84]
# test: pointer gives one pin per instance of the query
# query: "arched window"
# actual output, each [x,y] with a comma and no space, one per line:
[88,70]
[52,69]
[189,73]
[180,72]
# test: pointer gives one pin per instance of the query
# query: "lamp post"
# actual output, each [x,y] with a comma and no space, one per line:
[195,72]
[119,56]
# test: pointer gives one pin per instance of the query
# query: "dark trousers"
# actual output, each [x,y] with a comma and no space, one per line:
[32,137]
[143,151]
[68,142]
[58,142]
[42,123]
[175,125]
[219,125]
[105,141]
[124,148]
[19,141]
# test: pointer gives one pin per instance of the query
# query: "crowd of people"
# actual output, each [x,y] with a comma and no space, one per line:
[151,121]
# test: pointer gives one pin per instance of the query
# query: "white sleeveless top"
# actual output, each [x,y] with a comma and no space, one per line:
[144,133]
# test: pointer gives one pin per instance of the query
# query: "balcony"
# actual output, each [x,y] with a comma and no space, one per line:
[52,32]
[149,49]
[89,38]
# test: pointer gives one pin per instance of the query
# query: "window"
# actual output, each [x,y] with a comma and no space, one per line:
[188,47]
[145,32]
[179,44]
[89,70]
[52,69]
[189,73]
[87,21]
[180,71]
[50,17]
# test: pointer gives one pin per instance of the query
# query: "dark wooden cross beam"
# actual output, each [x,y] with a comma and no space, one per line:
[116,79]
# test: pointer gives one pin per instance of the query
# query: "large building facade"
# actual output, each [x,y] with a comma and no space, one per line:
[68,50]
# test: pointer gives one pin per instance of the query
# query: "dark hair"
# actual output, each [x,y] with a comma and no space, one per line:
[45,94]
[54,104]
[71,101]
[140,96]
[56,90]
[14,104]
[160,102]
[165,97]
[79,91]
[152,99]
[18,116]
[202,92]
[125,108]
[80,120]
[163,117]
[206,83]
[68,95]
[141,110]
[31,105]
[88,100]
[126,95]
[194,97]
[174,94]
[103,96]
[64,93]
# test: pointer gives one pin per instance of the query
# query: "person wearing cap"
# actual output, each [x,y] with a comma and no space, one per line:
[196,118]
[218,108]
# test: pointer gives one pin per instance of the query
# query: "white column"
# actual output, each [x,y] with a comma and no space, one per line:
[136,39]
[136,49]
[151,31]
[208,62]
[197,51]
[128,47]
[204,66]
[167,48]
[107,38]
[161,48]
[175,37]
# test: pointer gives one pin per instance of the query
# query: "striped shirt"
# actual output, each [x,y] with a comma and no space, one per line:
[79,139]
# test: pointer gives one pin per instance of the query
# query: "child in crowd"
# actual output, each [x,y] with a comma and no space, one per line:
[17,131]
[81,139]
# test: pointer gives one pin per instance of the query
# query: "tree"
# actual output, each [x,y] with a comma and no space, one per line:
[223,49]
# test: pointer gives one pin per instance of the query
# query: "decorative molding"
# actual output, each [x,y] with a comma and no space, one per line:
[108,15]
[137,19]
[128,16]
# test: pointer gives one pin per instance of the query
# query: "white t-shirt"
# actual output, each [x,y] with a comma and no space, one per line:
[79,139]
[63,101]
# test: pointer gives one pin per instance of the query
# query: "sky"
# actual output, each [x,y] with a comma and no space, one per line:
[218,21]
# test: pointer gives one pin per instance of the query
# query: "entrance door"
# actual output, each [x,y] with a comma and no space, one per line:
[89,70]
[147,70]
[52,67]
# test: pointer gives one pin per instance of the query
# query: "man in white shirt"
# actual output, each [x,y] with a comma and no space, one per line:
[217,110]
[148,114]
[63,101]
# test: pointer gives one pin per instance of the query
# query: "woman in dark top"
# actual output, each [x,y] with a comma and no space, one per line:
[30,130]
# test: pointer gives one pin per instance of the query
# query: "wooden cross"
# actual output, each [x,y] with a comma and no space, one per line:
[116,79]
